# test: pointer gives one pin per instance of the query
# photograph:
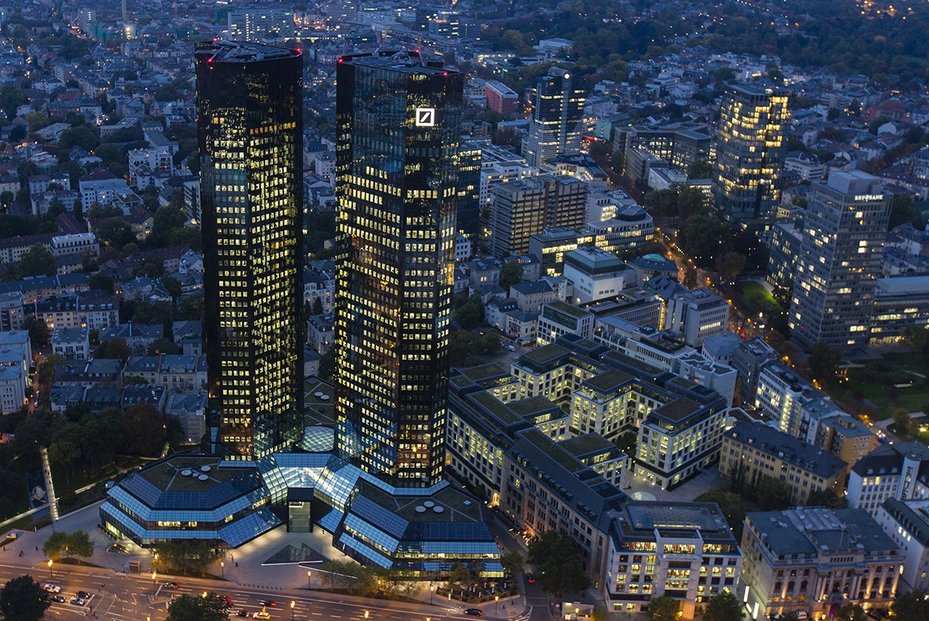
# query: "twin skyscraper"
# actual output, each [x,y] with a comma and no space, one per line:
[397,139]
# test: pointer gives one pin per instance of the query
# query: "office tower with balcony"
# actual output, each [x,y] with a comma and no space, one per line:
[555,121]
[839,260]
[750,151]
[249,130]
[398,132]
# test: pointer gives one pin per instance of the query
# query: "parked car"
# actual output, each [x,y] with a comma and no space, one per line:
[58,598]
[51,587]
[474,612]
[78,601]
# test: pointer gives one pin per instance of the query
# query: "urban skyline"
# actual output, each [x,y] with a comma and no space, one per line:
[526,311]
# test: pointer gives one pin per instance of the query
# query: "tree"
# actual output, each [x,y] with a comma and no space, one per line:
[101,282]
[38,260]
[22,599]
[114,348]
[699,169]
[512,562]
[61,544]
[559,560]
[213,607]
[903,424]
[144,430]
[163,346]
[510,274]
[36,120]
[823,362]
[185,556]
[38,331]
[471,313]
[166,220]
[723,607]
[704,236]
[730,264]
[663,608]
[913,605]
[317,308]
[851,612]
[826,498]
[115,232]
[902,211]
[46,373]
[81,136]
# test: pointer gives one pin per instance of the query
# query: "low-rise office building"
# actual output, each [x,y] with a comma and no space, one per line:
[681,550]
[752,451]
[906,522]
[813,560]
[695,315]
[899,471]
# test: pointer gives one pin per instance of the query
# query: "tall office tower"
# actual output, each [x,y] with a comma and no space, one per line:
[750,151]
[554,125]
[839,259]
[249,130]
[521,209]
[468,208]
[398,129]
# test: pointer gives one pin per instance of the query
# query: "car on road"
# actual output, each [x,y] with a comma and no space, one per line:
[268,603]
[474,612]
[51,587]
[509,347]
[58,598]
[172,585]
[242,613]
[530,578]
[261,614]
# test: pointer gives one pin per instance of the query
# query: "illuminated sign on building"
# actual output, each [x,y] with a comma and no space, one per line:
[425,117]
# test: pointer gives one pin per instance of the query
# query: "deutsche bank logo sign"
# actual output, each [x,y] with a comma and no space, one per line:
[425,117]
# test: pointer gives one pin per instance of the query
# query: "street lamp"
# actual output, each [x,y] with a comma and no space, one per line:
[308,580]
[496,604]
[50,577]
[154,577]
[292,604]
[432,594]
[367,614]
[222,567]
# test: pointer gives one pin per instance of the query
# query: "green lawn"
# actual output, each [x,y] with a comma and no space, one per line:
[875,381]
[757,297]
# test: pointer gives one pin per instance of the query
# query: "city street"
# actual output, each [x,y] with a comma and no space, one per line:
[122,597]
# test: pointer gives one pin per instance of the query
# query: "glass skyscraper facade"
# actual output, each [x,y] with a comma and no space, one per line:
[397,123]
[839,259]
[750,151]
[249,126]
[555,122]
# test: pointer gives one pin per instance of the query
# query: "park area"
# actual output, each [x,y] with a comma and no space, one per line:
[758,298]
[894,381]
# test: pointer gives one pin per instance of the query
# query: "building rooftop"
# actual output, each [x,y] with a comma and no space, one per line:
[405,62]
[815,531]
[788,448]
[244,52]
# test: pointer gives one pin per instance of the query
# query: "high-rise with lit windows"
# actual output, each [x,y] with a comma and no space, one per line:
[249,126]
[397,124]
[839,260]
[554,123]
[750,151]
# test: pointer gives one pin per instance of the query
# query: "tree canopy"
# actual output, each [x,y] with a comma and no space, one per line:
[663,608]
[61,545]
[22,599]
[723,606]
[558,561]
[192,608]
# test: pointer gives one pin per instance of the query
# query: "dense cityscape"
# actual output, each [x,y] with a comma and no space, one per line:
[593,310]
